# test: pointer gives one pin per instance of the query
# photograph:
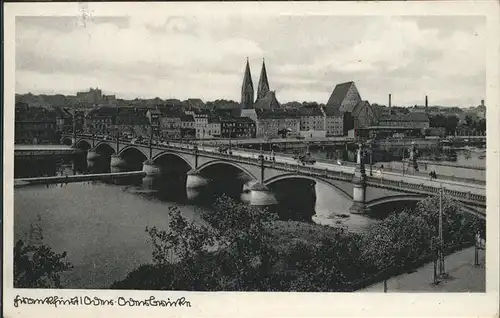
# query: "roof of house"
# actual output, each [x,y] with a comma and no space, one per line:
[187,118]
[357,108]
[269,101]
[412,117]
[103,111]
[275,114]
[228,119]
[332,110]
[339,93]
[33,114]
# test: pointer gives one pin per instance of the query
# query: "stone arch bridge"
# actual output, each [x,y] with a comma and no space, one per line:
[352,183]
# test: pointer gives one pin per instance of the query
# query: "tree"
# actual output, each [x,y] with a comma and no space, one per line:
[458,227]
[234,253]
[38,266]
[437,121]
[396,242]
[451,124]
[183,241]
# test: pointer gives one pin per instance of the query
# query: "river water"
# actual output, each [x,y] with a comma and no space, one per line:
[102,226]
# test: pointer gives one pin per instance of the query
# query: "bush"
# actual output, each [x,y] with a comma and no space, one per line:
[38,266]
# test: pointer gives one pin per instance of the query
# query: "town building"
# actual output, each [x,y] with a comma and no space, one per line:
[153,116]
[131,122]
[187,127]
[334,121]
[35,125]
[276,123]
[357,113]
[237,127]
[411,120]
[213,129]
[93,96]
[170,125]
[64,120]
[101,120]
[311,118]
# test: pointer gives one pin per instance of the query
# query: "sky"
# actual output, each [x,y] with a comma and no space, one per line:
[306,56]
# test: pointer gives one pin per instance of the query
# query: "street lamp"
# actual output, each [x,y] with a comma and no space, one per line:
[440,234]
[371,160]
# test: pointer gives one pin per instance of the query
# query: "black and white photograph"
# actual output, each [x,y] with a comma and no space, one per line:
[247,150]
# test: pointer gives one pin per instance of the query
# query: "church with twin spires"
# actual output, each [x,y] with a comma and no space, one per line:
[266,99]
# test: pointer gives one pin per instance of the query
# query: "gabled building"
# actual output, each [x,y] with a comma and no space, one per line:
[345,96]
[357,113]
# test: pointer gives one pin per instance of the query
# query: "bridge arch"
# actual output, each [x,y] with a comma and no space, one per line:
[171,153]
[104,146]
[67,141]
[341,191]
[83,144]
[222,162]
[126,149]
[396,198]
[419,197]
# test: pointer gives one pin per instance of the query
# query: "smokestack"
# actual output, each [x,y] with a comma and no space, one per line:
[390,101]
[426,102]
[482,102]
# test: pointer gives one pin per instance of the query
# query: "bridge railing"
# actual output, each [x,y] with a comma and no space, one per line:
[426,189]
[325,173]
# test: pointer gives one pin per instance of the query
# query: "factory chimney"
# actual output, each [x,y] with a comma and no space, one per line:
[390,104]
[426,103]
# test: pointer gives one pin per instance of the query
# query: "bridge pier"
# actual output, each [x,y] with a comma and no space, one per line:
[359,187]
[152,172]
[92,156]
[195,179]
[261,196]
[117,164]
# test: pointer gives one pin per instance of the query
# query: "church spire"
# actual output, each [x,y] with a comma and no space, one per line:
[247,92]
[263,87]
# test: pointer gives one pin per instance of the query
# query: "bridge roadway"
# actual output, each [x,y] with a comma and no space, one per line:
[334,167]
[388,187]
[349,168]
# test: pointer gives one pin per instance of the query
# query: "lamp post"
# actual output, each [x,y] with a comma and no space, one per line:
[440,229]
[117,135]
[150,141]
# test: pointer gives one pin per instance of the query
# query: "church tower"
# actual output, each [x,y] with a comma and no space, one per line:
[247,89]
[263,87]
